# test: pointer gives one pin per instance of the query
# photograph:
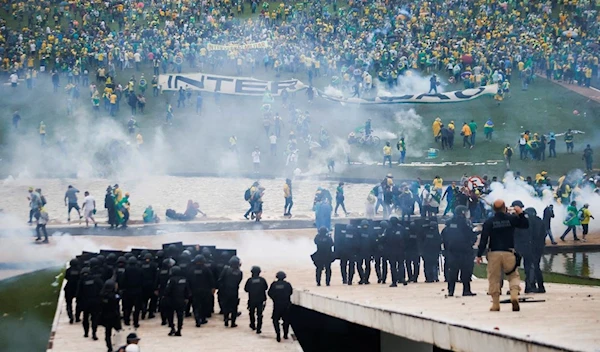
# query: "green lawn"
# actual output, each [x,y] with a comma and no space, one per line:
[27,309]
[199,143]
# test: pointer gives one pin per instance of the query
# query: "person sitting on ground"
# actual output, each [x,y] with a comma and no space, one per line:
[149,216]
[192,209]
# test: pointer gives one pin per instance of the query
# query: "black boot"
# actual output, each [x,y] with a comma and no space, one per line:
[172,332]
[277,330]
[451,286]
[467,290]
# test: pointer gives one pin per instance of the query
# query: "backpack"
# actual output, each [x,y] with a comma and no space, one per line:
[376,191]
[509,152]
[587,153]
[247,194]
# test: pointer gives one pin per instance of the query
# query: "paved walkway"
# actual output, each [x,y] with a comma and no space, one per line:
[290,249]
[591,93]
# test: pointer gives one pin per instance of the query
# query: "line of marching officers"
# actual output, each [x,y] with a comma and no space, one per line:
[172,283]
[399,246]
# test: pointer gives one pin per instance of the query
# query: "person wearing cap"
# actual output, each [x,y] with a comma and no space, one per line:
[585,214]
[132,343]
[281,293]
[498,237]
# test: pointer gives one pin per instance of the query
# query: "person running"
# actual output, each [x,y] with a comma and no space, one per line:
[89,209]
[585,215]
[71,201]
[339,199]
[287,194]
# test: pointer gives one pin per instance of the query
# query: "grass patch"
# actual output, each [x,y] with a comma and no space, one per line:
[28,306]
[480,271]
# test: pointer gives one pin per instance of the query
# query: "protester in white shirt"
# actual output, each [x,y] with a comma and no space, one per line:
[88,208]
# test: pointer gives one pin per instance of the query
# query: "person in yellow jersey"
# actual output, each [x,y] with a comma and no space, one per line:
[585,215]
[466,134]
[438,182]
[233,144]
[140,140]
[436,127]
[387,154]
[43,133]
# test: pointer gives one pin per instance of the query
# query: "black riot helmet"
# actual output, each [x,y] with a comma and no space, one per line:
[121,260]
[350,228]
[255,270]
[160,254]
[384,224]
[280,275]
[199,259]
[85,271]
[100,258]
[128,255]
[148,257]
[94,262]
[175,271]
[131,261]
[364,224]
[166,263]
[460,211]
[323,230]
[394,220]
[234,262]
[206,252]
[111,258]
[74,263]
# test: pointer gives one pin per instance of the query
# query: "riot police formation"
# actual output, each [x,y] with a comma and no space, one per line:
[347,249]
[458,238]
[256,286]
[110,288]
[323,257]
[394,249]
[379,260]
[281,293]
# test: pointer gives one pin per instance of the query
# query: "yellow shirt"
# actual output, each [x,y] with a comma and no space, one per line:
[387,150]
[437,182]
[466,131]
[113,98]
[586,216]
[286,191]
[140,139]
[436,127]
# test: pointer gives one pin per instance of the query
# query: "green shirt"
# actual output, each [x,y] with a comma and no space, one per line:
[473,127]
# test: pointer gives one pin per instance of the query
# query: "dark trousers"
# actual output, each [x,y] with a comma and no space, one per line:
[108,334]
[430,265]
[69,301]
[90,314]
[458,264]
[381,268]
[171,314]
[538,282]
[41,229]
[132,302]
[528,270]
[413,264]
[552,152]
[347,265]
[230,306]
[164,310]
[256,315]
[397,268]
[287,208]
[340,203]
[148,303]
[281,313]
[364,268]
[586,229]
[466,141]
[319,272]
[573,228]
[199,303]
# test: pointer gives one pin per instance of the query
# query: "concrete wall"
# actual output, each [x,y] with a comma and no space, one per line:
[394,343]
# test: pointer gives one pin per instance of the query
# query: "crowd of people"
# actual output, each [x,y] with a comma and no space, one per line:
[114,287]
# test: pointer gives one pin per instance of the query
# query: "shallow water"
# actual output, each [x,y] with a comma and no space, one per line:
[584,264]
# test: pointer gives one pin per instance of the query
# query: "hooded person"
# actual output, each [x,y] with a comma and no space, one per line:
[256,286]
[538,243]
[323,214]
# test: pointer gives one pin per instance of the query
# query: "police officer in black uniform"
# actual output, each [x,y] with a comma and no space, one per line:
[364,253]
[538,237]
[161,285]
[323,257]
[229,286]
[458,238]
[88,299]
[72,277]
[394,247]
[184,262]
[149,272]
[281,292]
[212,267]
[177,293]
[430,249]
[110,317]
[132,292]
[524,246]
[348,254]
[201,284]
[256,286]
[381,266]
[411,248]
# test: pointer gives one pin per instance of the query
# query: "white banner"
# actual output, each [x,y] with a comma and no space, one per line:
[227,85]
[227,47]
[447,97]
